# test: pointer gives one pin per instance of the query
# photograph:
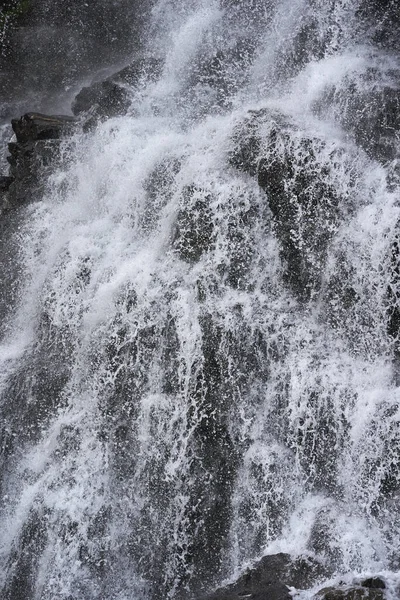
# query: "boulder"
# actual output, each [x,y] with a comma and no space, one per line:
[350,593]
[29,163]
[374,583]
[112,97]
[104,99]
[271,578]
[35,126]
[35,151]
[272,591]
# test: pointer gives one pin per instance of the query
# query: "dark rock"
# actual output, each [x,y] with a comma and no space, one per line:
[300,573]
[112,97]
[369,111]
[303,202]
[222,74]
[26,557]
[349,593]
[308,43]
[393,295]
[159,187]
[26,159]
[35,126]
[246,149]
[5,182]
[382,19]
[10,272]
[304,206]
[29,164]
[104,98]
[35,153]
[273,591]
[374,583]
[270,578]
[194,229]
[215,463]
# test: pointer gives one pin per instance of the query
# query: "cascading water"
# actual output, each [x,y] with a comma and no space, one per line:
[202,364]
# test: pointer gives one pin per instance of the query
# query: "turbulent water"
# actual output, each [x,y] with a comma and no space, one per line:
[200,360]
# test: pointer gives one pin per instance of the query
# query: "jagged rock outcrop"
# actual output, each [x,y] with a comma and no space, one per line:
[33,154]
[291,169]
[350,593]
[112,96]
[32,127]
[271,579]
[374,583]
[36,148]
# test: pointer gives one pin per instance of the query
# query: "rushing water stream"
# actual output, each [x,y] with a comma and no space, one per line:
[202,366]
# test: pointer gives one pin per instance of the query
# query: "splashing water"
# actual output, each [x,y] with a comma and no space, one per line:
[202,364]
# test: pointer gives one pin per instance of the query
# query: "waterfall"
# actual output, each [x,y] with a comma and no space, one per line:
[200,315]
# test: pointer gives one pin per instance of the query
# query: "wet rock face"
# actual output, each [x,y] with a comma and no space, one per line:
[375,129]
[382,18]
[371,589]
[46,46]
[26,559]
[34,153]
[5,184]
[393,295]
[303,204]
[247,143]
[222,74]
[374,583]
[271,578]
[372,117]
[350,593]
[104,98]
[272,591]
[112,97]
[32,127]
